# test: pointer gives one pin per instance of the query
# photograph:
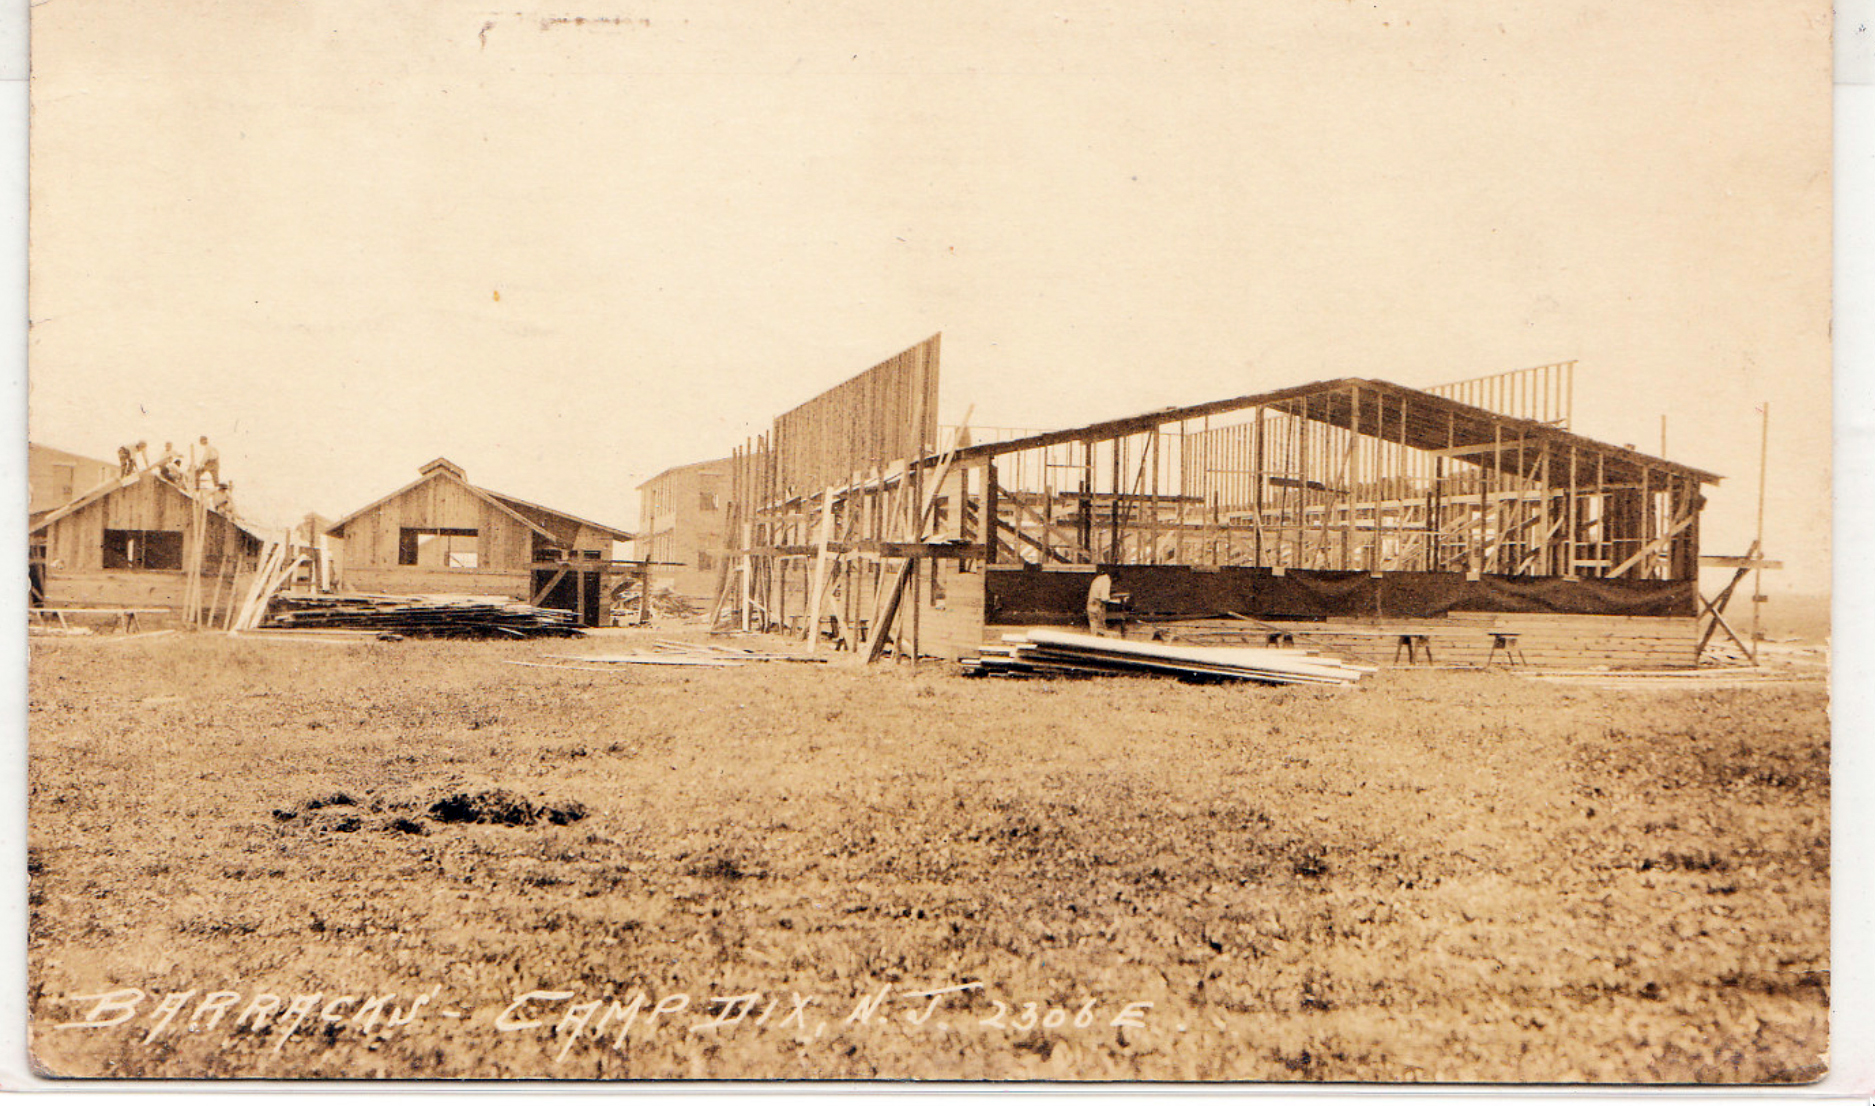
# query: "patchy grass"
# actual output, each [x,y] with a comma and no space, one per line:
[1434,876]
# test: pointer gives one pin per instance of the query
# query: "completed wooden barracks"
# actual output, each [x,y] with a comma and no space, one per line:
[147,544]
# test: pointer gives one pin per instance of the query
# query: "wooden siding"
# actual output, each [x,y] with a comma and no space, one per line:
[588,538]
[141,588]
[887,413]
[75,543]
[503,542]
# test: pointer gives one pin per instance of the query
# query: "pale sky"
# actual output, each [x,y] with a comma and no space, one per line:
[344,238]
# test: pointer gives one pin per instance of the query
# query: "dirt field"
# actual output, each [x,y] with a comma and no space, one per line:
[416,859]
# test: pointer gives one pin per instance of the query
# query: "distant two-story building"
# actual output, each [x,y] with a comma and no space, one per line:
[55,477]
[682,516]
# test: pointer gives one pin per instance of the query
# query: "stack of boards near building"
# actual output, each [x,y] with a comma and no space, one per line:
[453,616]
[1064,653]
[1461,639]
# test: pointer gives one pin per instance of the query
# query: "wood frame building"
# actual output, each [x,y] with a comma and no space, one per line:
[136,542]
[1350,511]
[441,534]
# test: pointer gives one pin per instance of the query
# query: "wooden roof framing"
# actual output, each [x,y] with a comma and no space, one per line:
[1392,412]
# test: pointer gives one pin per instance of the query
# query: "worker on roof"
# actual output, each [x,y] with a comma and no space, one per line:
[169,465]
[208,462]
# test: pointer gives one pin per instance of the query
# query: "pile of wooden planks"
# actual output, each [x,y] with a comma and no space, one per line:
[1063,653]
[1464,639]
[681,654]
[275,571]
[453,616]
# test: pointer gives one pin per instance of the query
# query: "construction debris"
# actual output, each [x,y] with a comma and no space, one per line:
[665,603]
[1062,653]
[451,616]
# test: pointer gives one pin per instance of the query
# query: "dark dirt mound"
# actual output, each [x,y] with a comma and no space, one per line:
[722,867]
[334,813]
[503,808]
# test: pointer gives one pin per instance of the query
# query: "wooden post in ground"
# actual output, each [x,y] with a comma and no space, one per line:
[818,590]
[1757,579]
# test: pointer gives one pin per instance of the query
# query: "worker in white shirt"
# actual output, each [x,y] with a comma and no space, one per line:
[208,462]
[1099,594]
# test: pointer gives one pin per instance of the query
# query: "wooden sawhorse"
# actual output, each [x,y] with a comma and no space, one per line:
[1505,642]
[1414,644]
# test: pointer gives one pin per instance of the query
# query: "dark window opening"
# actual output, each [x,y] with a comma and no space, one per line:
[438,547]
[705,562]
[153,549]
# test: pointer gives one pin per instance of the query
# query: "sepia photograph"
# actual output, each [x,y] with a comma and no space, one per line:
[1279,543]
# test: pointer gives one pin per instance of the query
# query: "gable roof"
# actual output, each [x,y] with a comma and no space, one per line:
[615,533]
[110,487]
[444,469]
[446,465]
[1437,424]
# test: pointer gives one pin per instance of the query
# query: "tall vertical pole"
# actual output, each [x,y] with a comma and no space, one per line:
[1757,575]
[1113,514]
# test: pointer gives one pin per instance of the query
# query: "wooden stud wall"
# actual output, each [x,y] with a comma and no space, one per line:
[887,413]
[1353,478]
[1349,475]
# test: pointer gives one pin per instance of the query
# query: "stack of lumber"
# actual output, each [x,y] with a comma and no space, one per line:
[1063,653]
[682,654]
[470,616]
[1463,639]
[697,654]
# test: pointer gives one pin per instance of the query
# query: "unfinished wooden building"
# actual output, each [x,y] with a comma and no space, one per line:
[443,535]
[1352,515]
[140,542]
